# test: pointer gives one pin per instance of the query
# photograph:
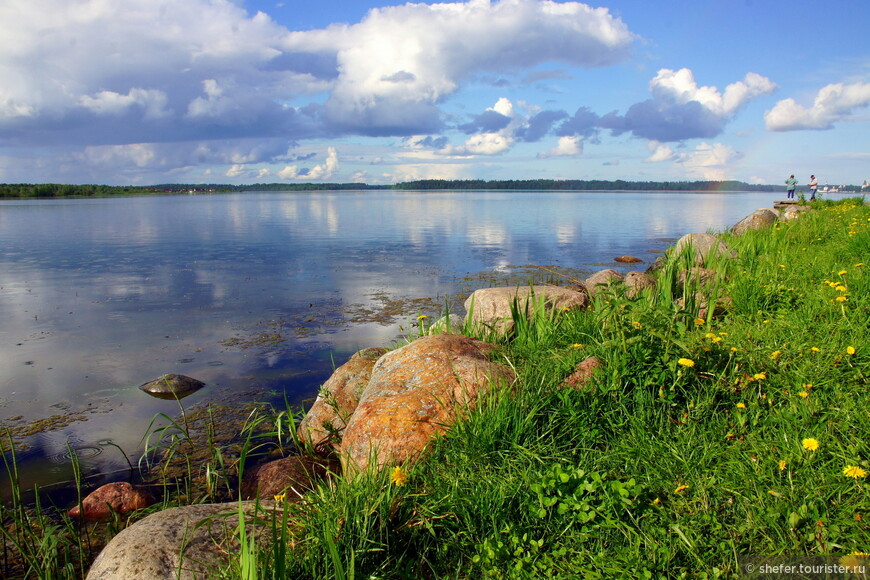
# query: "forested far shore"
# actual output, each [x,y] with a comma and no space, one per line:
[55,190]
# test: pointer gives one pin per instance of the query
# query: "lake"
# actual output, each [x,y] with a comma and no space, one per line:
[261,295]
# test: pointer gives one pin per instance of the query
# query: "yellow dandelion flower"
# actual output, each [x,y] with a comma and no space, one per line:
[816,349]
[803,394]
[716,339]
[741,406]
[700,321]
[637,324]
[842,272]
[810,444]
[422,317]
[280,497]
[734,349]
[723,334]
[840,288]
[576,345]
[759,376]
[709,335]
[782,464]
[808,385]
[399,476]
[854,471]
[765,321]
[841,298]
[681,488]
[859,264]
[775,354]
[656,502]
[686,362]
[850,350]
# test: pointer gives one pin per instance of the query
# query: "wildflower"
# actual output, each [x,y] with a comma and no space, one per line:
[576,345]
[810,444]
[716,339]
[842,272]
[399,476]
[656,502]
[681,488]
[709,335]
[859,264]
[854,471]
[686,362]
[781,464]
[808,385]
[422,317]
[280,497]
[775,354]
[734,349]
[759,376]
[765,321]
[637,324]
[840,288]
[741,406]
[816,349]
[700,321]
[803,394]
[841,298]
[850,350]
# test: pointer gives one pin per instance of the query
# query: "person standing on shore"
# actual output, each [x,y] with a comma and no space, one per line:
[814,185]
[790,184]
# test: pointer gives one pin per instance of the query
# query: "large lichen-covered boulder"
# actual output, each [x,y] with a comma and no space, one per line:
[172,386]
[490,308]
[761,218]
[183,543]
[704,247]
[337,400]
[415,392]
[602,279]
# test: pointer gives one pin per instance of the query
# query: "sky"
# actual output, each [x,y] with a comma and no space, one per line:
[142,92]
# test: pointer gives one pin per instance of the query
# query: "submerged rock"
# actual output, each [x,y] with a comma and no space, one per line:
[172,386]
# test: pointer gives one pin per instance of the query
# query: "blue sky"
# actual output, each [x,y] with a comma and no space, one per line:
[246,91]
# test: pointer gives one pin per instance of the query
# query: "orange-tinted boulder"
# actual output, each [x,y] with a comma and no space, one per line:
[119,497]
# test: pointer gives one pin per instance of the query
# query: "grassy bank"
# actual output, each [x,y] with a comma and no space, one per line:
[709,434]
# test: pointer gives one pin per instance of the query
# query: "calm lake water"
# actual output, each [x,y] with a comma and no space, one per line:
[98,296]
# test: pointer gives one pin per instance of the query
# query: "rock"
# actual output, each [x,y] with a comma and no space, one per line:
[450,324]
[172,386]
[172,545]
[762,218]
[414,393]
[583,373]
[324,423]
[698,277]
[628,260]
[637,282]
[491,307]
[120,497]
[793,211]
[293,475]
[703,248]
[601,280]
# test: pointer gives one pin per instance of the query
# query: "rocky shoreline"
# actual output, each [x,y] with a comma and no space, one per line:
[381,410]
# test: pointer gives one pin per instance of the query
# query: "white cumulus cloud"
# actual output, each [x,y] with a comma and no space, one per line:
[324,170]
[833,103]
[709,161]
[659,152]
[568,146]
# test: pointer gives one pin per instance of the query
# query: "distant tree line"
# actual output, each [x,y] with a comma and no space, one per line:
[50,190]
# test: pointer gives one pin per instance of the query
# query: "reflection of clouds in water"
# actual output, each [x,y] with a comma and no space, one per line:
[487,235]
[565,233]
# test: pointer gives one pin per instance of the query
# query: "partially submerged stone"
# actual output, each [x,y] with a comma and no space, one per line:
[414,393]
[113,498]
[172,386]
[627,260]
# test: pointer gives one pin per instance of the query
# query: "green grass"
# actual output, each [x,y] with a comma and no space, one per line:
[655,468]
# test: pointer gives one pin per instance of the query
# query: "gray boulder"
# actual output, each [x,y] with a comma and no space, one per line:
[602,279]
[637,282]
[184,543]
[704,248]
[490,308]
[761,218]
